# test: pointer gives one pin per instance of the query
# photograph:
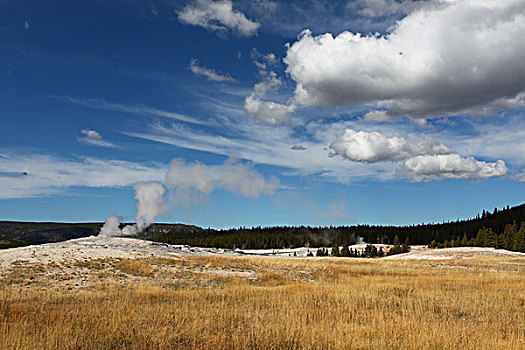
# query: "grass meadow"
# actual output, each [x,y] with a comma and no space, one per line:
[215,302]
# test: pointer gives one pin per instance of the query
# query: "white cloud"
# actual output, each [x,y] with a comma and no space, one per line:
[422,123]
[94,138]
[25,176]
[462,57]
[258,104]
[193,182]
[267,111]
[244,180]
[26,25]
[450,166]
[218,16]
[135,109]
[270,83]
[371,147]
[519,177]
[189,176]
[262,61]
[91,134]
[209,73]
[264,110]
[494,138]
[265,144]
[376,116]
[47,175]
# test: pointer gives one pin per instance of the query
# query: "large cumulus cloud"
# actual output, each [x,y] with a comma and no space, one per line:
[420,159]
[458,58]
[371,147]
[450,166]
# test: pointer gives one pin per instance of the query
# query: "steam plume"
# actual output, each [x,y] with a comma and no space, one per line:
[111,227]
[190,183]
[150,205]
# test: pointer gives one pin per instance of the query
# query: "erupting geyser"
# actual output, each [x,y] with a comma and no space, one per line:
[150,196]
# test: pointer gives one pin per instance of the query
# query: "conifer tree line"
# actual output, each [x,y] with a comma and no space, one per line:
[511,239]
[500,228]
[370,250]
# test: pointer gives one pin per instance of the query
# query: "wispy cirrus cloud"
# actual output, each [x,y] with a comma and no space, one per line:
[264,144]
[46,175]
[135,108]
[367,154]
[37,175]
[208,73]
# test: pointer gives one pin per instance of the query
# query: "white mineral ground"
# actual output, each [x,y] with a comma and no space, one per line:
[96,247]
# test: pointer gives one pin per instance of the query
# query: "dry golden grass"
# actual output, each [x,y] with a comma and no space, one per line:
[216,302]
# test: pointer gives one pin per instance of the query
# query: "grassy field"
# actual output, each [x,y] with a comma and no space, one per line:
[213,302]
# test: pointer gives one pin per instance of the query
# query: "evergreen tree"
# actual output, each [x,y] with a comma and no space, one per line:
[510,232]
[336,251]
[396,240]
[486,237]
[492,238]
[519,239]
[464,240]
[370,251]
[480,238]
[321,252]
[500,241]
[397,248]
[373,252]
[344,251]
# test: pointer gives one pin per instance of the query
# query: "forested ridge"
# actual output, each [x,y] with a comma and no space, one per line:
[500,228]
[290,237]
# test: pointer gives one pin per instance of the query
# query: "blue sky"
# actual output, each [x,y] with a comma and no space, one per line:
[248,113]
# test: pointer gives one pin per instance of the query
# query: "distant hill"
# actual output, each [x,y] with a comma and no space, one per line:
[24,233]
[15,234]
